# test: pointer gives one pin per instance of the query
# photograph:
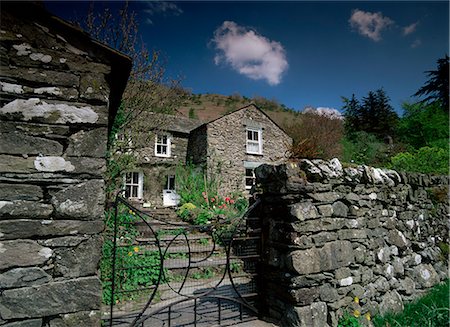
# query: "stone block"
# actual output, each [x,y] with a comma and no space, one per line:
[304,210]
[395,237]
[391,302]
[325,210]
[22,277]
[54,112]
[25,323]
[22,253]
[21,144]
[322,238]
[314,315]
[51,299]
[331,256]
[94,87]
[352,234]
[45,77]
[82,201]
[24,209]
[425,275]
[14,192]
[79,261]
[25,228]
[78,319]
[328,293]
[304,296]
[323,224]
[327,197]
[340,209]
[88,143]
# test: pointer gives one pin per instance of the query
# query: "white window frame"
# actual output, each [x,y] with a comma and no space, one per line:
[139,185]
[253,177]
[168,145]
[253,142]
[169,177]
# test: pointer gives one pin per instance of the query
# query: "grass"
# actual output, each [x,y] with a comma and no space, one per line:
[430,310]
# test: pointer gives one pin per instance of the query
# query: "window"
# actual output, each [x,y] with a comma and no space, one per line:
[249,178]
[254,141]
[170,183]
[133,185]
[162,145]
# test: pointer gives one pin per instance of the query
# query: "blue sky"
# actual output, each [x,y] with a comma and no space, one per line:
[300,53]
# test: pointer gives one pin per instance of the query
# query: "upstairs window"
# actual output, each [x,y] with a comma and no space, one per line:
[162,145]
[134,185]
[254,141]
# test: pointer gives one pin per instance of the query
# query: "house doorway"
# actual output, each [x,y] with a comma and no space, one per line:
[170,196]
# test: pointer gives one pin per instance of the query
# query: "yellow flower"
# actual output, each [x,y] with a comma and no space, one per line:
[130,253]
[367,315]
[356,299]
[136,249]
[356,313]
[131,212]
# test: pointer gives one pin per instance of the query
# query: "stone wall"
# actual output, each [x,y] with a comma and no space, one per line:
[54,116]
[334,234]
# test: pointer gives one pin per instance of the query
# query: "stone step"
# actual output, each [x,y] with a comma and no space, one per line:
[210,262]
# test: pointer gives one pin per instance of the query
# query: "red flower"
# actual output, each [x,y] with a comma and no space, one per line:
[231,201]
[227,199]
[212,199]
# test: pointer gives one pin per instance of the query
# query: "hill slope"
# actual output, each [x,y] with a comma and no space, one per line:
[208,107]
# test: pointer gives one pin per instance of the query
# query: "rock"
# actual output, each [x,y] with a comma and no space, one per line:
[325,210]
[304,296]
[384,254]
[304,210]
[407,285]
[346,281]
[327,197]
[314,315]
[25,323]
[24,209]
[22,253]
[391,302]
[340,209]
[357,291]
[79,261]
[397,238]
[331,256]
[322,238]
[24,228]
[352,234]
[82,201]
[425,275]
[51,299]
[328,293]
[20,143]
[88,143]
[78,319]
[22,277]
[14,192]
[399,269]
[342,273]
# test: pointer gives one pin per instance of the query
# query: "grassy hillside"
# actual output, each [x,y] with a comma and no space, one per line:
[208,107]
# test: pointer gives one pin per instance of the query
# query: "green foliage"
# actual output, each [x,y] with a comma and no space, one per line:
[424,125]
[436,88]
[199,196]
[431,310]
[136,268]
[192,113]
[348,320]
[424,160]
[373,114]
[362,148]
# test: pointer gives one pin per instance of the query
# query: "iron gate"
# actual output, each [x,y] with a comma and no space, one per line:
[166,272]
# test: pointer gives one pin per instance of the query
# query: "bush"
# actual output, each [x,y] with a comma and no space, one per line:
[425,160]
[316,136]
[362,148]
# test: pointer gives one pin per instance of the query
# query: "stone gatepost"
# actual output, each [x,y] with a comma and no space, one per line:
[356,239]
[57,102]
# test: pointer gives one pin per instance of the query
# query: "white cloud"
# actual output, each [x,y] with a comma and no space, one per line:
[164,8]
[330,113]
[410,28]
[416,43]
[369,24]
[249,53]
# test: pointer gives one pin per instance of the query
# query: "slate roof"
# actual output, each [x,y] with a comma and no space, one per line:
[178,124]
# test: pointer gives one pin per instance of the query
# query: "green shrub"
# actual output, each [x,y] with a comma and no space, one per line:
[186,211]
[348,320]
[425,160]
[362,148]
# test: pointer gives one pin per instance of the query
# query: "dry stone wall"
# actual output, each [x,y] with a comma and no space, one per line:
[54,115]
[334,234]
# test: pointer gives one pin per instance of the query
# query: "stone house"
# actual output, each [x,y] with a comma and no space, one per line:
[232,146]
